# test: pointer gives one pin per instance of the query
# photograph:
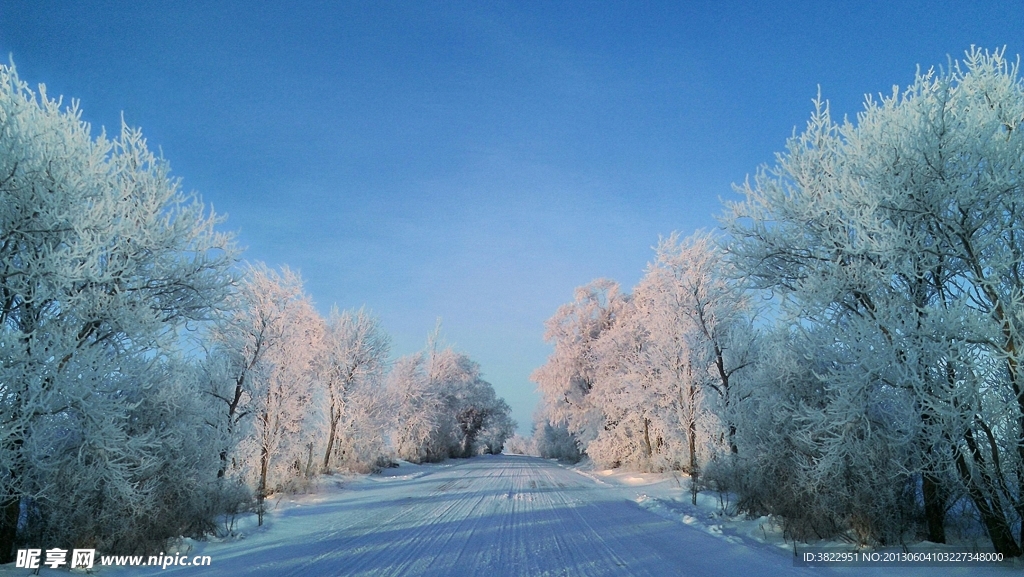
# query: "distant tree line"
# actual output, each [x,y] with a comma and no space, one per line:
[148,384]
[847,356]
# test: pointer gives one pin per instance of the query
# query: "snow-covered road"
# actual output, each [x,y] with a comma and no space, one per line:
[515,516]
[494,515]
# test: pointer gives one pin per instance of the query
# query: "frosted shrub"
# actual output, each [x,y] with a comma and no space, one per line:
[556,442]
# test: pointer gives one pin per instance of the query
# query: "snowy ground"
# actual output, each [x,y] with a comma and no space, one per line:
[502,515]
[668,495]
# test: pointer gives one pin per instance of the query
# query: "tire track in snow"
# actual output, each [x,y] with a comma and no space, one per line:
[493,516]
[521,516]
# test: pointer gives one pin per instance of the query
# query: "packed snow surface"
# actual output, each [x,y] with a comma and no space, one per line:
[494,515]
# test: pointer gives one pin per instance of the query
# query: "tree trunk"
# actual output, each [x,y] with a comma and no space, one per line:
[9,528]
[309,461]
[931,484]
[10,509]
[261,492]
[934,507]
[999,531]
[693,459]
[330,442]
[647,438]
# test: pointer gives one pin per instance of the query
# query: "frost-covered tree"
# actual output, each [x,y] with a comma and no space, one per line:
[638,427]
[697,313]
[483,419]
[567,378]
[184,491]
[350,368]
[553,439]
[780,468]
[647,380]
[102,260]
[444,408]
[268,345]
[469,407]
[894,243]
[697,336]
[520,445]
[418,411]
[497,428]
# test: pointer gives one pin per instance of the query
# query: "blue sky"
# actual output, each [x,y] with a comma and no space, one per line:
[475,161]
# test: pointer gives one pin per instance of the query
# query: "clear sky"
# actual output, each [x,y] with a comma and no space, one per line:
[475,161]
